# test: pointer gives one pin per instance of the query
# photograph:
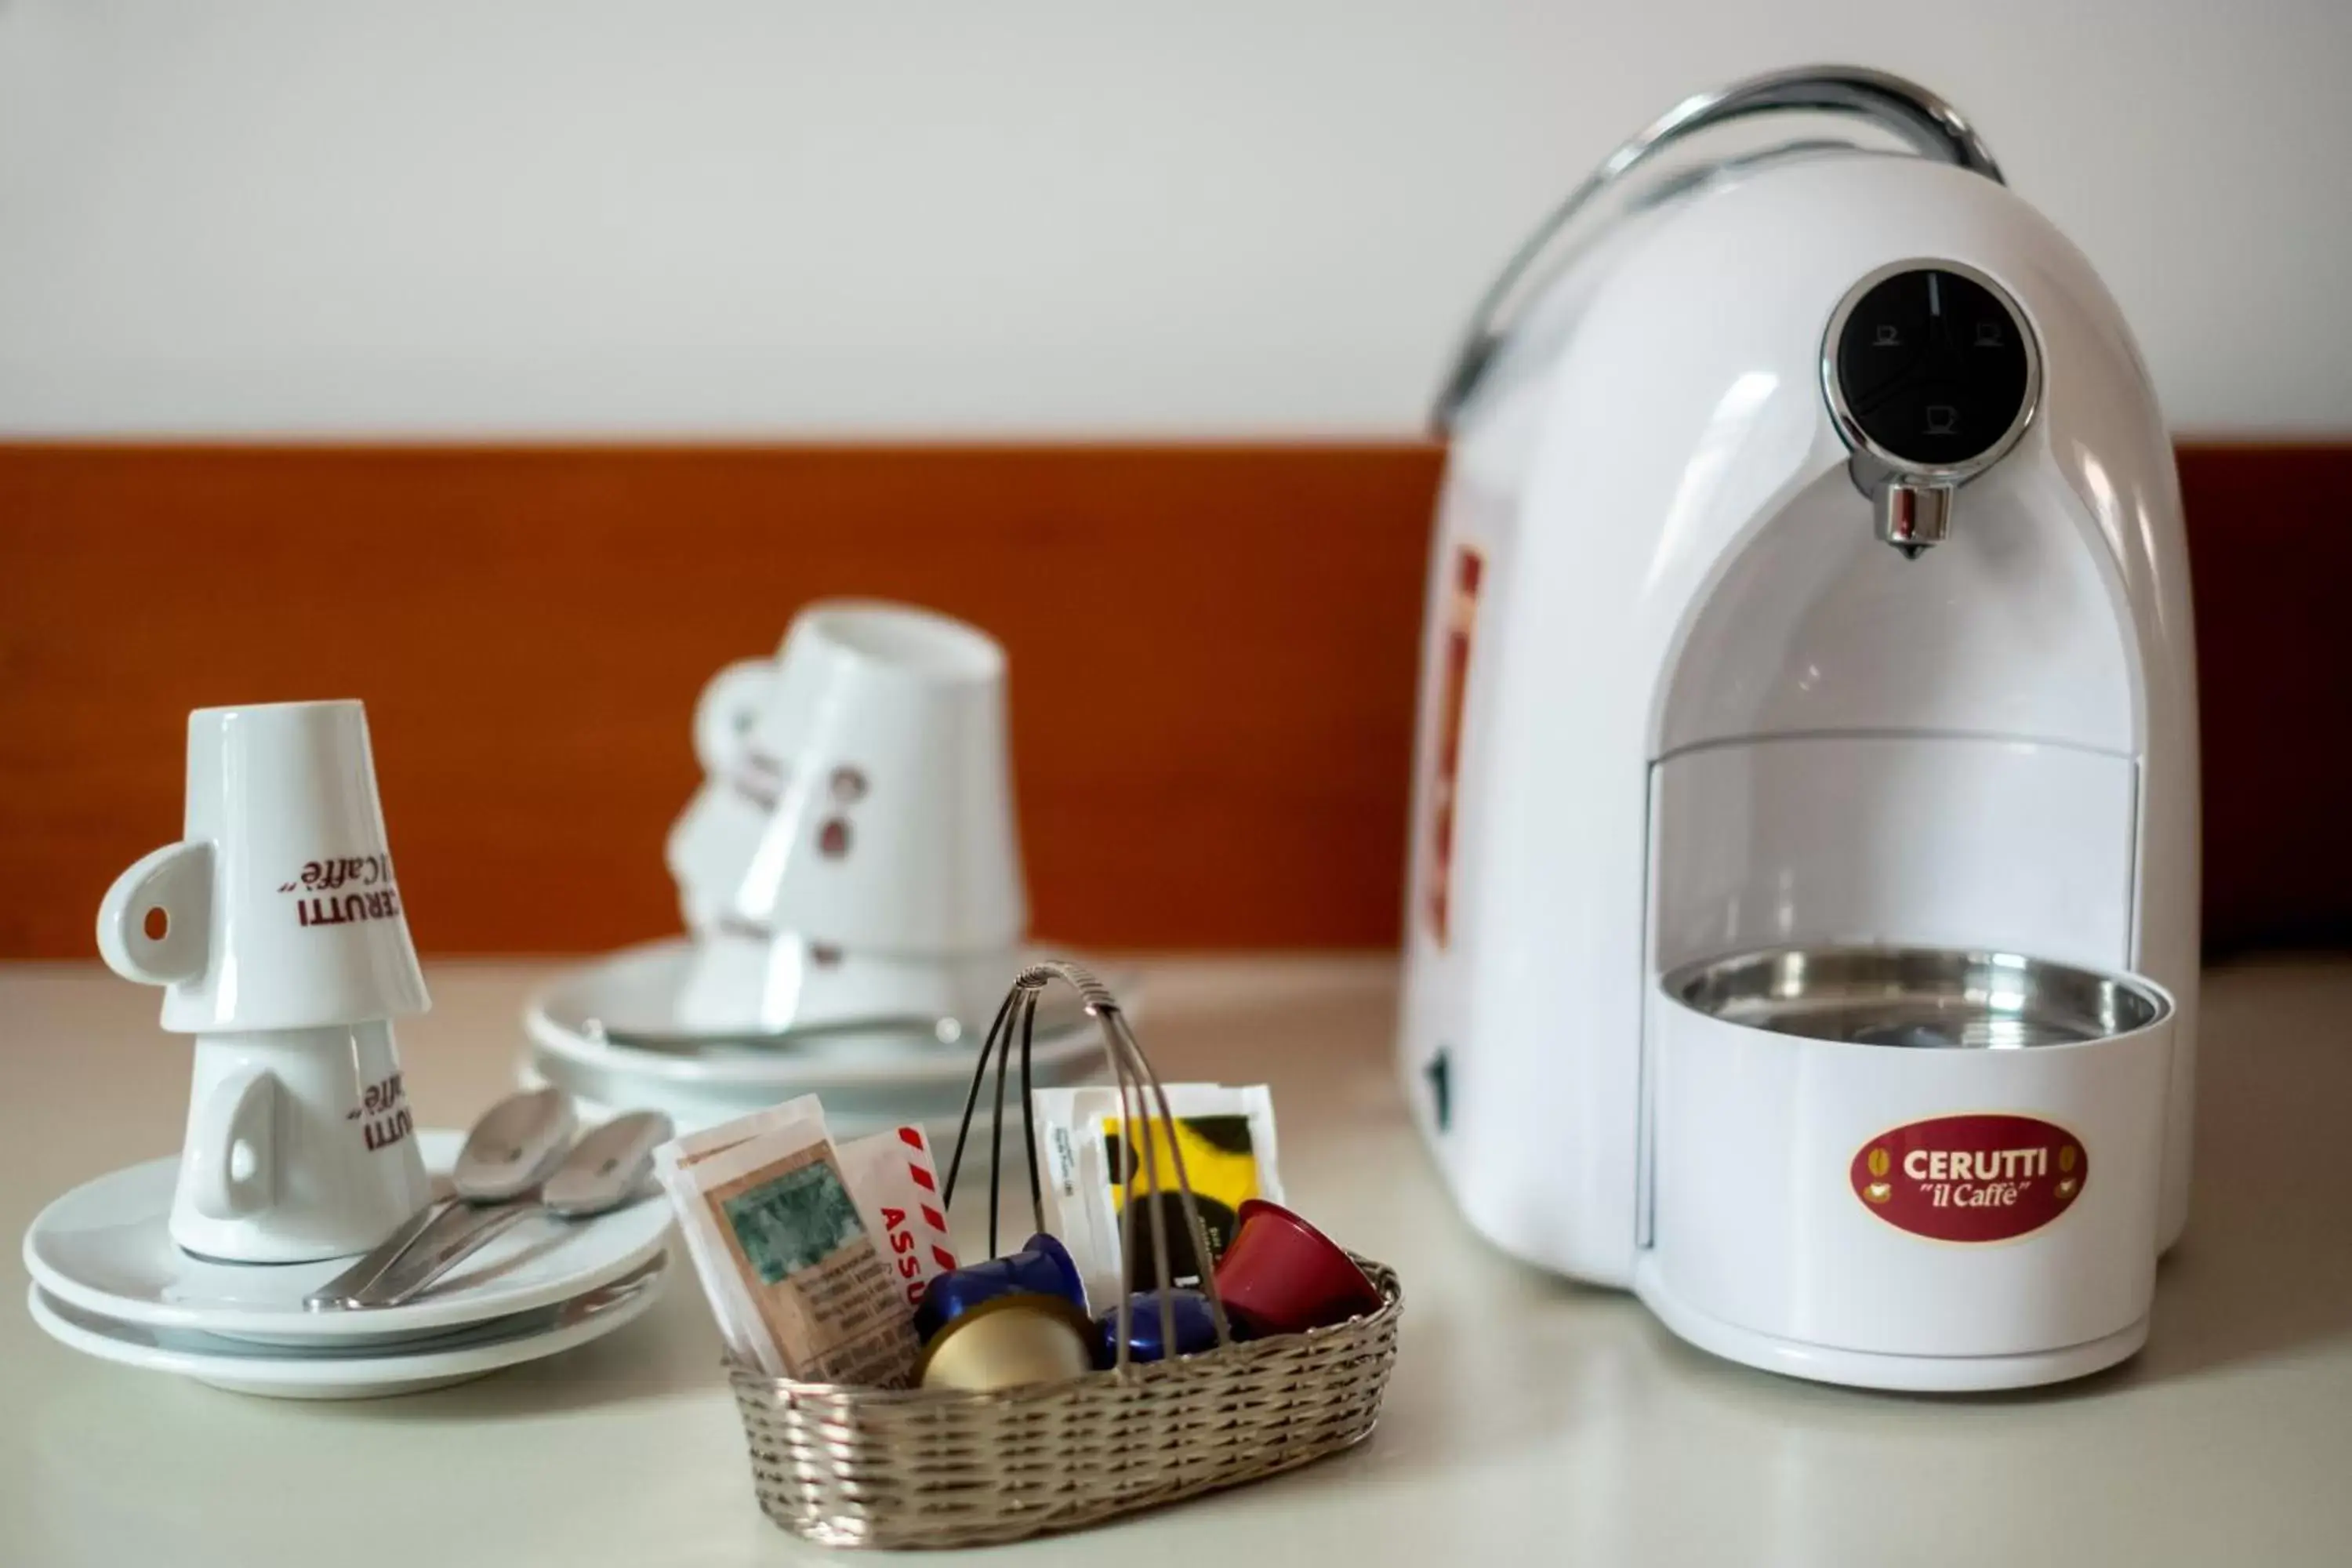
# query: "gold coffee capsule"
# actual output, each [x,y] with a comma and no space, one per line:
[1007,1341]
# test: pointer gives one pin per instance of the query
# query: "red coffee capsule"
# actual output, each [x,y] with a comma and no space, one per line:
[1281,1275]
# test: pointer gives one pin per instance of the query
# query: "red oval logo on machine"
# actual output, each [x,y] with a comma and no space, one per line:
[1971,1178]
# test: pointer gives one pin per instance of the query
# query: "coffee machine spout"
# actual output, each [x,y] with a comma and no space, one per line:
[1932,373]
[1911,516]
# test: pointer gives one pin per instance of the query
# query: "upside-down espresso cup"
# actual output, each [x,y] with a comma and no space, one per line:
[275,927]
[279,908]
[857,810]
[1282,1275]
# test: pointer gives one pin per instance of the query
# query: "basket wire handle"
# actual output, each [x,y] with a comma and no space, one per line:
[997,1037]
[972,1099]
[1028,1133]
[996,1142]
[1142,1101]
[1141,1178]
[1115,1027]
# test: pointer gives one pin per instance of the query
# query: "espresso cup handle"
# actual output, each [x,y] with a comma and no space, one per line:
[173,883]
[723,713]
[237,1115]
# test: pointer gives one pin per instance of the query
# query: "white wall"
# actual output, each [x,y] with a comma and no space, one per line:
[985,216]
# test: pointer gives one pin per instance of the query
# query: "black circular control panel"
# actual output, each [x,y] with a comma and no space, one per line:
[1932,366]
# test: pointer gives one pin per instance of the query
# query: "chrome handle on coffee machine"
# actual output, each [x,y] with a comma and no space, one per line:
[1933,127]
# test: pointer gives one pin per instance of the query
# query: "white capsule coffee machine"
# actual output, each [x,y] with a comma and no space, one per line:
[1803,925]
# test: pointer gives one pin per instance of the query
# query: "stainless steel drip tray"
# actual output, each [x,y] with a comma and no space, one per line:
[1919,998]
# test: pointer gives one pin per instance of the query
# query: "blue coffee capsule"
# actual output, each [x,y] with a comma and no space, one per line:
[1196,1327]
[950,1295]
[1045,1265]
[1042,1267]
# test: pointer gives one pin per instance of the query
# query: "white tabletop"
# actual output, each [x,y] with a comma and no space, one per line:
[1528,1420]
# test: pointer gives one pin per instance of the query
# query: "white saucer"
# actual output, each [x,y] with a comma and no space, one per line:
[105,1249]
[636,989]
[349,1371]
[600,1096]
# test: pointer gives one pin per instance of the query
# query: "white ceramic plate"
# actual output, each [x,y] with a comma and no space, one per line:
[599,1097]
[106,1249]
[348,1370]
[636,989]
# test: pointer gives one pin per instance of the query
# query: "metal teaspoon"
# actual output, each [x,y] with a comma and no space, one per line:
[512,1148]
[606,1169]
[943,1029]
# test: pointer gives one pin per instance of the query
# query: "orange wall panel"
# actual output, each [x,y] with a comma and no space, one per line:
[1212,664]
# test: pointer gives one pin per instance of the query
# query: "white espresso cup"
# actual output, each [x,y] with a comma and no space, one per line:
[299,1145]
[278,908]
[276,929]
[857,801]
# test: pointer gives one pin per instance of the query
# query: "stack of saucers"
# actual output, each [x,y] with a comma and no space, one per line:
[108,1280]
[850,874]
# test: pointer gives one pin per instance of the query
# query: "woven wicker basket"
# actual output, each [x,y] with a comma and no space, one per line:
[869,1466]
[859,1467]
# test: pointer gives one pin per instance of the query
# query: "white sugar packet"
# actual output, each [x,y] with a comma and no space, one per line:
[1226,1135]
[898,1190]
[730,1305]
[792,1258]
[696,1146]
